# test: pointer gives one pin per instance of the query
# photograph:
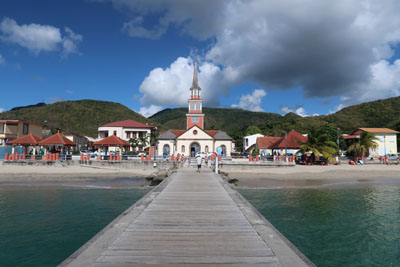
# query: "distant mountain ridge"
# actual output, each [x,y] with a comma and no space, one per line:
[85,116]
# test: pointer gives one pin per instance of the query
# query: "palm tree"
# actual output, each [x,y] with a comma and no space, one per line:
[366,142]
[143,141]
[318,143]
[134,142]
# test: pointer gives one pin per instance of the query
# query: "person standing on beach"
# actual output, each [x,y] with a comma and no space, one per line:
[198,159]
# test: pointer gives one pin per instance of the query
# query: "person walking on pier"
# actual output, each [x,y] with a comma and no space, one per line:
[198,159]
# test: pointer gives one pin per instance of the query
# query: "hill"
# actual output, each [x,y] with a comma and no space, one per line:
[85,116]
[82,116]
[380,113]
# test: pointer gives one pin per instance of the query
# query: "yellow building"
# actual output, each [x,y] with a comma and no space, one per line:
[386,140]
[12,129]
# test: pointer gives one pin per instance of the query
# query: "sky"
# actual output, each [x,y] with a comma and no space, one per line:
[306,56]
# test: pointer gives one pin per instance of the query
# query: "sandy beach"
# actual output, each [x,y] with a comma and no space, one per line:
[304,176]
[14,173]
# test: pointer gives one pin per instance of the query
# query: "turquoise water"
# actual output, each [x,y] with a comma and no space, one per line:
[43,226]
[336,226]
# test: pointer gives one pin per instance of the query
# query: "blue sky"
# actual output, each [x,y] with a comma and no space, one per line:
[311,60]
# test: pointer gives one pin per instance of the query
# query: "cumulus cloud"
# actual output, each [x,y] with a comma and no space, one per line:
[328,48]
[39,38]
[2,60]
[170,86]
[251,101]
[298,109]
[149,110]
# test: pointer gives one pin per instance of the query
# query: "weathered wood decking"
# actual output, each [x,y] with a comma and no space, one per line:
[190,220]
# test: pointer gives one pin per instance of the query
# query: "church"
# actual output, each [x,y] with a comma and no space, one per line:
[195,138]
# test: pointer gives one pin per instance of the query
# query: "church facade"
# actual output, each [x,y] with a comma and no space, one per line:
[194,139]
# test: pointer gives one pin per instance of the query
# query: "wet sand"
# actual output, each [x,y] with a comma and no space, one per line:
[317,176]
[81,176]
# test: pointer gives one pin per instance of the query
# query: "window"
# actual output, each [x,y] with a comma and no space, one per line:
[128,135]
[195,119]
[115,132]
[382,138]
[247,142]
[198,106]
[25,128]
[206,148]
[1,127]
[166,149]
[106,134]
[391,138]
[183,149]
[192,106]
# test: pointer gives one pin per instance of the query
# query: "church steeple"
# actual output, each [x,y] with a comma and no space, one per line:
[195,116]
[195,84]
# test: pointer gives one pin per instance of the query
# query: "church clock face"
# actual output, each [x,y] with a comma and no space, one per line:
[194,132]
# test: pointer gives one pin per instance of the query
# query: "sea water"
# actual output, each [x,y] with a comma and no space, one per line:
[336,226]
[42,226]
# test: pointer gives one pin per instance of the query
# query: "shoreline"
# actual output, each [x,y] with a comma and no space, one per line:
[14,176]
[316,176]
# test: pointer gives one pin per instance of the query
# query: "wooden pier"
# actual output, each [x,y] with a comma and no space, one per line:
[190,219]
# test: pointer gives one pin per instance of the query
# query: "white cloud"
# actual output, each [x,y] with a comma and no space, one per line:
[2,110]
[38,38]
[299,110]
[149,110]
[2,60]
[170,86]
[251,101]
[328,48]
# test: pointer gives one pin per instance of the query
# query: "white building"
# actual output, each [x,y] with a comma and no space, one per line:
[250,140]
[126,130]
[194,139]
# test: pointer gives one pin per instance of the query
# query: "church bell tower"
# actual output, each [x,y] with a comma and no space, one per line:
[195,115]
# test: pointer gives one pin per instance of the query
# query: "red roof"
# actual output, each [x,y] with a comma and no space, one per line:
[26,140]
[374,130]
[293,141]
[178,132]
[57,139]
[112,140]
[268,141]
[128,124]
[351,136]
[211,132]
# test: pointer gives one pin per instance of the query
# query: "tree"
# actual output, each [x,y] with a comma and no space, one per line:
[367,142]
[253,130]
[319,143]
[133,142]
[143,141]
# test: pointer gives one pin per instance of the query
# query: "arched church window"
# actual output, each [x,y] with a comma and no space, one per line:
[206,148]
[183,149]
[166,149]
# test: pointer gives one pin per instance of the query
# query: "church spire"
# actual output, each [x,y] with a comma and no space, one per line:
[195,84]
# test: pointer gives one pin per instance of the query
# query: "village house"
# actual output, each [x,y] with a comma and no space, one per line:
[249,142]
[386,140]
[194,139]
[126,130]
[12,129]
[80,141]
[290,144]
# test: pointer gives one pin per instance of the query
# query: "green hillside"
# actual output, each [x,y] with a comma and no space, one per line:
[82,116]
[85,116]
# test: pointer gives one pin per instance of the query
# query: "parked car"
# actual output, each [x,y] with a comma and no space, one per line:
[244,154]
[393,156]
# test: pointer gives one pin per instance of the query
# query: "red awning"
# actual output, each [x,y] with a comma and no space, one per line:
[57,140]
[111,141]
[26,140]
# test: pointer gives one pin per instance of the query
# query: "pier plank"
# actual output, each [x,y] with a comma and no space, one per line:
[192,221]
